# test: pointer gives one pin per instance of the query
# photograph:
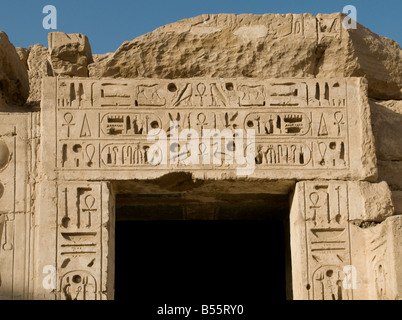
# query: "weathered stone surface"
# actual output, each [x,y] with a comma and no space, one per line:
[14,84]
[39,67]
[23,53]
[100,57]
[397,201]
[387,129]
[391,172]
[263,46]
[383,257]
[15,203]
[70,54]
[371,201]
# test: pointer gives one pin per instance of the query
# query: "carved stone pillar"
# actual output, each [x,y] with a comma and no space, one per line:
[384,259]
[74,231]
[320,240]
[83,241]
[79,245]
[344,242]
[15,211]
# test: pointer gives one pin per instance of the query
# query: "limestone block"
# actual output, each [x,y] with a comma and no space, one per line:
[100,57]
[384,257]
[15,200]
[45,235]
[14,161]
[79,217]
[14,257]
[304,129]
[332,257]
[387,129]
[371,201]
[260,46]
[23,53]
[14,84]
[39,67]
[397,201]
[70,54]
[391,172]
[321,246]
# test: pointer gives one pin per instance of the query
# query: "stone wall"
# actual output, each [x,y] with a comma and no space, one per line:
[322,137]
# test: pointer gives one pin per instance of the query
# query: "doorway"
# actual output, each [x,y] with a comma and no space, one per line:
[227,249]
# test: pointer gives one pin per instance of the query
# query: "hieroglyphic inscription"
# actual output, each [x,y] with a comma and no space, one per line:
[195,93]
[79,251]
[7,168]
[378,245]
[327,239]
[14,220]
[329,26]
[297,123]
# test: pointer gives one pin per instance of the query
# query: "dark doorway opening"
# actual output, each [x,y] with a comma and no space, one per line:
[238,255]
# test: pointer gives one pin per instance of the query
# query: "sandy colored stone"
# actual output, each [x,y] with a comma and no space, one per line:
[391,172]
[267,46]
[23,53]
[14,84]
[319,223]
[39,67]
[383,256]
[15,202]
[371,201]
[332,257]
[386,117]
[100,57]
[70,54]
[387,129]
[397,201]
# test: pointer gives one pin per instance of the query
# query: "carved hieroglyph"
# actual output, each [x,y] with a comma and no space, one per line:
[303,128]
[334,257]
[384,259]
[79,217]
[80,221]
[320,239]
[15,215]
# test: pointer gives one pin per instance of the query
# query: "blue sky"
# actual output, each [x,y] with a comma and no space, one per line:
[109,23]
